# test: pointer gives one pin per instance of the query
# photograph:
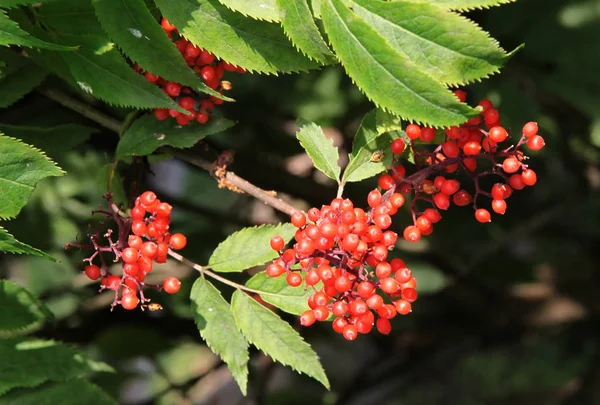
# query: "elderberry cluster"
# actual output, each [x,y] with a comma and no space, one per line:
[143,238]
[346,249]
[480,147]
[204,63]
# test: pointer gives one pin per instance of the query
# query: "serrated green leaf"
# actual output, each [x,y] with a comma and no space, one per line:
[262,10]
[386,122]
[22,312]
[15,86]
[254,45]
[148,134]
[387,77]
[21,167]
[316,8]
[446,46]
[15,3]
[100,70]
[70,17]
[131,26]
[75,392]
[464,5]
[248,247]
[9,244]
[54,141]
[300,27]
[320,149]
[369,139]
[275,337]
[278,292]
[12,34]
[217,327]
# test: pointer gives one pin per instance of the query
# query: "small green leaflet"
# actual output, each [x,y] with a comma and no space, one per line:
[385,76]
[9,244]
[320,149]
[12,34]
[132,27]
[275,337]
[15,86]
[367,141]
[278,292]
[22,312]
[21,167]
[148,134]
[259,9]
[316,8]
[254,45]
[442,44]
[299,25]
[464,5]
[217,327]
[63,394]
[248,247]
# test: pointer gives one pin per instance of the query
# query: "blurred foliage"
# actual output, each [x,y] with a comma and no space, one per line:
[508,312]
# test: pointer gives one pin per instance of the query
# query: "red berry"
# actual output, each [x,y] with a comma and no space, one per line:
[321,313]
[442,201]
[112,282]
[450,149]
[277,243]
[450,187]
[208,73]
[529,177]
[472,148]
[274,270]
[427,134]
[205,57]
[461,94]
[167,26]
[403,307]
[298,219]
[202,118]
[403,275]
[150,77]
[412,233]
[307,318]
[171,285]
[384,326]
[409,294]
[530,129]
[93,272]
[516,182]
[187,103]
[389,285]
[433,215]
[511,164]
[163,210]
[145,264]
[397,146]
[130,255]
[293,279]
[483,215]
[350,332]
[148,198]
[161,114]
[385,181]
[413,131]
[129,301]
[178,241]
[173,89]
[498,134]
[501,191]
[536,142]
[499,206]
[374,198]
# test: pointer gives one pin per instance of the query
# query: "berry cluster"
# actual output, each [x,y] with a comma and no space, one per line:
[346,248]
[478,143]
[143,238]
[210,69]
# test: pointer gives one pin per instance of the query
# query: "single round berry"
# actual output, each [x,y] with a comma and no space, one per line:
[171,285]
[384,326]
[173,89]
[293,279]
[321,313]
[511,164]
[178,241]
[350,332]
[307,318]
[93,272]
[298,219]
[130,255]
[412,233]
[472,148]
[413,131]
[385,181]
[427,134]
[130,301]
[277,243]
[275,270]
[536,142]
[403,307]
[499,206]
[482,215]
[530,129]
[111,282]
[498,134]
[398,146]
[529,177]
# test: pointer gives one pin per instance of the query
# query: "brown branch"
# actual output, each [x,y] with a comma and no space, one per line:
[115,126]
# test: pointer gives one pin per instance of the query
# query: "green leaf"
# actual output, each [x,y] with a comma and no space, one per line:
[132,27]
[300,27]
[316,8]
[148,134]
[217,327]
[262,10]
[16,85]
[446,46]
[9,244]
[464,5]
[54,141]
[15,3]
[12,34]
[276,338]
[254,45]
[320,149]
[248,247]
[278,292]
[22,312]
[70,17]
[387,77]
[100,70]
[368,140]
[21,167]
[75,392]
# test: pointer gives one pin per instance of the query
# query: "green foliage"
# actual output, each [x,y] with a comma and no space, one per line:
[278,292]
[74,392]
[21,167]
[18,83]
[275,337]
[263,10]
[369,139]
[464,5]
[22,311]
[15,3]
[254,45]
[441,44]
[388,78]
[248,247]
[12,34]
[9,244]
[147,134]
[300,27]
[320,149]
[218,329]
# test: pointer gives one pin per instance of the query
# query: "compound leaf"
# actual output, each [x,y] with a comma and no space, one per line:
[387,77]
[21,167]
[248,247]
[254,45]
[217,327]
[320,149]
[275,337]
[148,134]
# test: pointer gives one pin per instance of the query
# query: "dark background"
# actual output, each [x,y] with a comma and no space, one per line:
[508,311]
